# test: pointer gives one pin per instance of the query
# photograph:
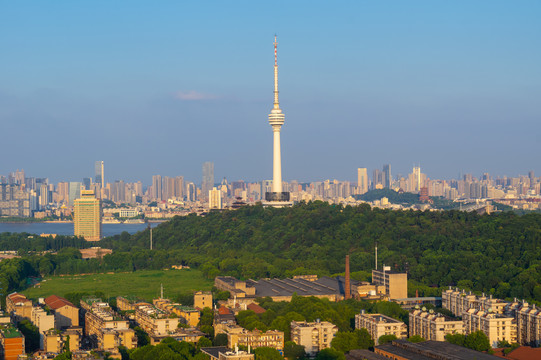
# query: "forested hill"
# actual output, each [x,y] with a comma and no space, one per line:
[499,253]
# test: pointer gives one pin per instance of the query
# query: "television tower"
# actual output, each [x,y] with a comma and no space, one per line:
[276,120]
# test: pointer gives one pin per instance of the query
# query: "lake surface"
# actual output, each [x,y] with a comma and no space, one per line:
[67,228]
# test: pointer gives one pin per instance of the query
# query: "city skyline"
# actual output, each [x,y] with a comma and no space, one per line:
[451,86]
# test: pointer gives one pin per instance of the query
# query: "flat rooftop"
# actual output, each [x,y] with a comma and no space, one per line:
[302,287]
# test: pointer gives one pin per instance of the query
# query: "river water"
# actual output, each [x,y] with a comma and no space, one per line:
[67,228]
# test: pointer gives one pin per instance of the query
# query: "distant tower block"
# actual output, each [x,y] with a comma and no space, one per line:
[277,197]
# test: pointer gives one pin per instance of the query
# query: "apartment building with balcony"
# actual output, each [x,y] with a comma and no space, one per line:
[433,326]
[314,336]
[497,327]
[379,325]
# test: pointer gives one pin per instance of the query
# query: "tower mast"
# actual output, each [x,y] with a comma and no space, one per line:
[276,120]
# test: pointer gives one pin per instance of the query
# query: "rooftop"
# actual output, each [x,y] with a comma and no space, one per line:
[10,332]
[441,350]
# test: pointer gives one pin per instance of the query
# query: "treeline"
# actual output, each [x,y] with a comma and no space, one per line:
[25,242]
[498,254]
[278,315]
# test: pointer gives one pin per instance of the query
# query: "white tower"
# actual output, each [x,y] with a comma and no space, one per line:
[276,119]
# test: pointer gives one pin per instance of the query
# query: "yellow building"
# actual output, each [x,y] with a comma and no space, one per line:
[393,284]
[433,326]
[202,299]
[19,306]
[105,329]
[314,336]
[56,340]
[87,216]
[155,321]
[379,325]
[188,315]
[237,336]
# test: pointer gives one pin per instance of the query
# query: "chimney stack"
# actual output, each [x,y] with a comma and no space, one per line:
[347,289]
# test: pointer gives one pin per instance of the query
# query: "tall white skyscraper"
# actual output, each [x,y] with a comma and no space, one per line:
[276,120]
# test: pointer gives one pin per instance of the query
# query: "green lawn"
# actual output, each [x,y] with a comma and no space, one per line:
[144,284]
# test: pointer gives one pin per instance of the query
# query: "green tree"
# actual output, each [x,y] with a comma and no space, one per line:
[267,353]
[220,340]
[477,341]
[384,339]
[203,342]
[292,351]
[416,339]
[457,339]
[330,354]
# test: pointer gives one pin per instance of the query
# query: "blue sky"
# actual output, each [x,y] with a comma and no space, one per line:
[161,87]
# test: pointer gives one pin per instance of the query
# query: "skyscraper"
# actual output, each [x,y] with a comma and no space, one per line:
[87,216]
[362,180]
[387,177]
[99,174]
[207,182]
[74,192]
[156,187]
[276,120]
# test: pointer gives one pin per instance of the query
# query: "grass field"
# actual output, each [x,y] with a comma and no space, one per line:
[144,284]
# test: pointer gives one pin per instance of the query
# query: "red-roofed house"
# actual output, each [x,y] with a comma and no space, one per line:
[65,313]
[223,310]
[255,308]
[18,305]
[521,353]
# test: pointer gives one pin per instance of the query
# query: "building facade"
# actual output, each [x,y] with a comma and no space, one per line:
[87,216]
[379,325]
[395,284]
[314,336]
[433,326]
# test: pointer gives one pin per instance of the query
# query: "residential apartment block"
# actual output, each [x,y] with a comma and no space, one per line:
[239,336]
[314,336]
[433,326]
[105,328]
[202,299]
[497,327]
[378,325]
[155,321]
[55,340]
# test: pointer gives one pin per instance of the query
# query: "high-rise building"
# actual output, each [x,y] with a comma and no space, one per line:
[74,192]
[99,174]
[215,199]
[387,177]
[277,197]
[156,187]
[362,180]
[207,182]
[87,216]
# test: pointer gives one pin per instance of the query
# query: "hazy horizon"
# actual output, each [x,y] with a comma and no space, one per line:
[160,89]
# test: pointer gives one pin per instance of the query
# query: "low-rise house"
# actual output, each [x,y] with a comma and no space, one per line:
[65,313]
[19,306]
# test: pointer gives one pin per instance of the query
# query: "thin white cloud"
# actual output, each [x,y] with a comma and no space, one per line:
[193,95]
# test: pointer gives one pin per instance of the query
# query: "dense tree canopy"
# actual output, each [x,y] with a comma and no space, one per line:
[498,254]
